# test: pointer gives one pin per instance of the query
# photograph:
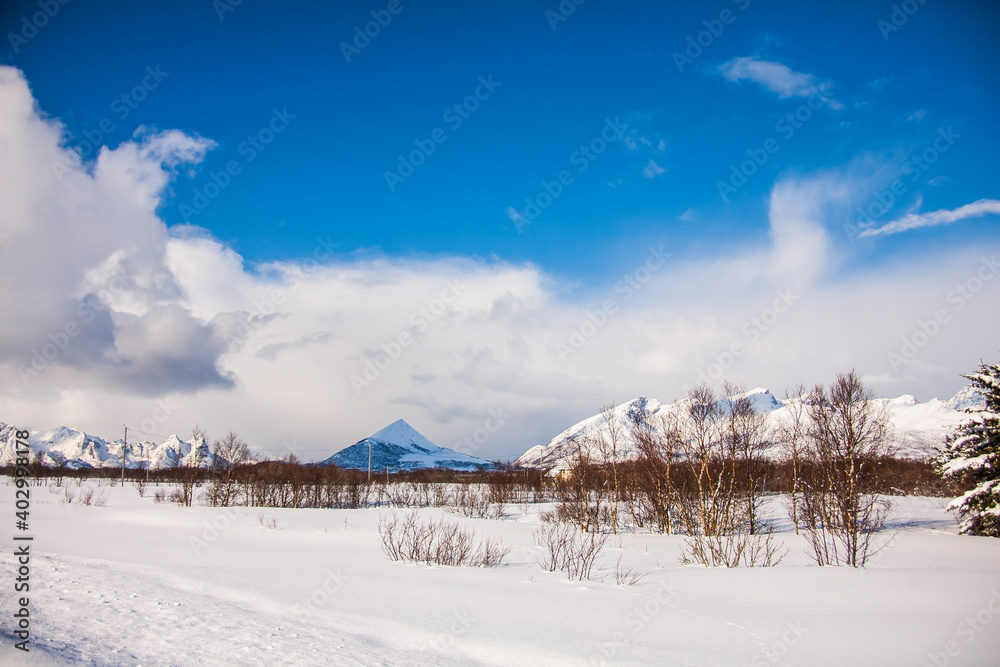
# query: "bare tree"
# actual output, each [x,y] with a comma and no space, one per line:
[747,438]
[791,433]
[847,434]
[609,442]
[228,455]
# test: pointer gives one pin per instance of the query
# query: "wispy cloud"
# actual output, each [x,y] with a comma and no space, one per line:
[935,218]
[653,170]
[777,78]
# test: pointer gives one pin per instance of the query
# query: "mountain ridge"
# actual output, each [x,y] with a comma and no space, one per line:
[920,427]
[400,447]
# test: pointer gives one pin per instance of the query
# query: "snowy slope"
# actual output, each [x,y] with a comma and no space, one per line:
[919,427]
[76,449]
[400,447]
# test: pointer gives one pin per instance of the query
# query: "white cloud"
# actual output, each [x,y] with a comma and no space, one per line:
[935,218]
[777,78]
[652,170]
[191,335]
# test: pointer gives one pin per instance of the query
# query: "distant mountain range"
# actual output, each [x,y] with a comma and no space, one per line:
[919,427]
[76,449]
[400,447]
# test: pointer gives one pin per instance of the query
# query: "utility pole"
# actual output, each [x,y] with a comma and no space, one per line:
[369,463]
[124,441]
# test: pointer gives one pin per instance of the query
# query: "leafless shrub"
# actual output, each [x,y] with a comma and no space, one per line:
[399,494]
[97,499]
[492,552]
[556,539]
[436,542]
[583,553]
[160,495]
[472,501]
[69,495]
[267,521]
[568,549]
[627,576]
[740,549]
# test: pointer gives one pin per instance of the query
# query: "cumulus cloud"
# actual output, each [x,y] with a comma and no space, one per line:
[777,78]
[935,218]
[312,355]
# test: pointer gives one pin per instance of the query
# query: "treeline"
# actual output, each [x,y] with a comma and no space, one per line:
[712,471]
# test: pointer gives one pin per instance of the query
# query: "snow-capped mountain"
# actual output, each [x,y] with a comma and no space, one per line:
[76,449]
[400,447]
[919,427]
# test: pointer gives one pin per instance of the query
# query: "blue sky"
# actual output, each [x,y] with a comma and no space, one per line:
[324,175]
[873,94]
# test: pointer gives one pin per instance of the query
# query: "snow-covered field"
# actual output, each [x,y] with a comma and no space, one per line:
[139,583]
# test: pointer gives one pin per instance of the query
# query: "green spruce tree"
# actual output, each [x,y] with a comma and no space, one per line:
[972,453]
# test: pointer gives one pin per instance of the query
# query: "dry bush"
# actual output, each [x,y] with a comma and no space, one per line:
[739,549]
[627,576]
[267,521]
[437,542]
[97,499]
[472,501]
[160,495]
[583,553]
[69,495]
[555,538]
[492,551]
[569,550]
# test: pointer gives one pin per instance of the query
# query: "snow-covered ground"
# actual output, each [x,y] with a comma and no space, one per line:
[139,583]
